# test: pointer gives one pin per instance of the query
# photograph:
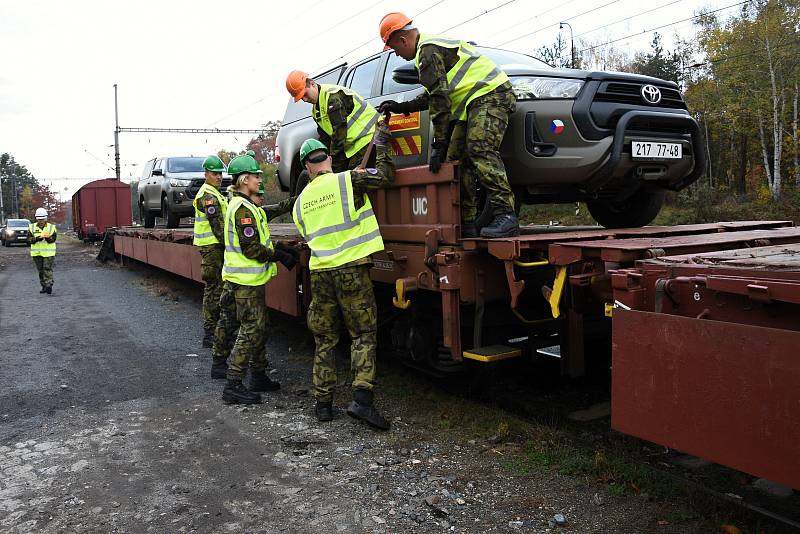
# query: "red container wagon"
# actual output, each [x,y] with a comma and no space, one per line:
[100,205]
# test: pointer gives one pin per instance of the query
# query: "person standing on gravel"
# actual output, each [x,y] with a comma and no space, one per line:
[228,325]
[42,239]
[334,215]
[470,100]
[209,217]
[249,263]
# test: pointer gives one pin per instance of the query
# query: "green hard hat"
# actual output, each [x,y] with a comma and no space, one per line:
[213,163]
[309,146]
[242,164]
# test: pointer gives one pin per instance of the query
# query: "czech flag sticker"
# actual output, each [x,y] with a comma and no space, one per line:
[557,126]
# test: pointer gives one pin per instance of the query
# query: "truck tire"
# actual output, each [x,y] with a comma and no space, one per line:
[148,217]
[637,210]
[173,221]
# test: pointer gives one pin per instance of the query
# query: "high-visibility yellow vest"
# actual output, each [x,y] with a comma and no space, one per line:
[237,267]
[203,236]
[360,122]
[336,232]
[42,248]
[472,76]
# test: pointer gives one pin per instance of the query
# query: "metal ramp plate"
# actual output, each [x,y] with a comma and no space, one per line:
[553,351]
[492,353]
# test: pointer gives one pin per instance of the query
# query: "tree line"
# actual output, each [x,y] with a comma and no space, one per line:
[740,79]
[22,193]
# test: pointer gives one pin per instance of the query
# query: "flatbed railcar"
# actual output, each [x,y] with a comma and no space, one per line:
[450,302]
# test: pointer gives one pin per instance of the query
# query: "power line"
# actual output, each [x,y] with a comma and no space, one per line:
[664,26]
[549,25]
[370,40]
[505,30]
[193,130]
[629,18]
[479,15]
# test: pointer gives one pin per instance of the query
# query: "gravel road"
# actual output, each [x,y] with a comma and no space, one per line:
[108,423]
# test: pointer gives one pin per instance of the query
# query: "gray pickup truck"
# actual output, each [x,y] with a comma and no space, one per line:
[613,140]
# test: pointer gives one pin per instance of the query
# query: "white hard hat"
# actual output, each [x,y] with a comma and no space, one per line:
[41,213]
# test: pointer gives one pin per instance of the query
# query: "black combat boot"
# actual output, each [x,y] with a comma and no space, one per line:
[362,408]
[208,339]
[503,225]
[219,370]
[259,381]
[468,229]
[236,393]
[49,290]
[324,411]
[44,290]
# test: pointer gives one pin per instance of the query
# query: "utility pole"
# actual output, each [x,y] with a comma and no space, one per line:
[571,42]
[2,209]
[116,134]
[14,199]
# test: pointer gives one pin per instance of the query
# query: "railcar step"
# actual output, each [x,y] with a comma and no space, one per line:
[492,353]
[553,351]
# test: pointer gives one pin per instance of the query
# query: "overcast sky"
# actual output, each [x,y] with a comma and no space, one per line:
[201,63]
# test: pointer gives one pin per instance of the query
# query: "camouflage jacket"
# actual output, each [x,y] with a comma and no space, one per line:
[276,210]
[434,64]
[367,180]
[251,246]
[340,106]
[209,205]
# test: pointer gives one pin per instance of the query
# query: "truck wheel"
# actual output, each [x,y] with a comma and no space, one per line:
[637,210]
[148,217]
[172,220]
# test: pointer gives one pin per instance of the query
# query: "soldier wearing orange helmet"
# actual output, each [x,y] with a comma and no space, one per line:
[345,121]
[468,95]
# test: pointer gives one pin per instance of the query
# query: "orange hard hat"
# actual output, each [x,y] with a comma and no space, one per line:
[391,23]
[296,84]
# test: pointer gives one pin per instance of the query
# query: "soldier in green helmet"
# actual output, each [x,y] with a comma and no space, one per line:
[209,216]
[228,325]
[334,215]
[249,263]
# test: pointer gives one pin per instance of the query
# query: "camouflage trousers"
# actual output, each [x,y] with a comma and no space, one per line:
[248,349]
[336,294]
[476,143]
[227,326]
[45,267]
[211,258]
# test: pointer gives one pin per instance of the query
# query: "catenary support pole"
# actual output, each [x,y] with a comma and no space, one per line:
[116,134]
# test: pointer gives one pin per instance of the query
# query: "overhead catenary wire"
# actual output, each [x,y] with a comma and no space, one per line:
[504,4]
[543,13]
[631,17]
[369,41]
[705,13]
[553,24]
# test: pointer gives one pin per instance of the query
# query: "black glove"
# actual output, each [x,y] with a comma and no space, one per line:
[438,156]
[38,238]
[287,255]
[393,106]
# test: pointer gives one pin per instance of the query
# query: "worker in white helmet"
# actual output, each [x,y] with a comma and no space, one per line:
[42,238]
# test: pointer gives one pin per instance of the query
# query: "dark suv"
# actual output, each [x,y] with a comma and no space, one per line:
[167,188]
[16,231]
[615,141]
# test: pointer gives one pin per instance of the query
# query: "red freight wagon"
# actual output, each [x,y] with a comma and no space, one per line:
[99,205]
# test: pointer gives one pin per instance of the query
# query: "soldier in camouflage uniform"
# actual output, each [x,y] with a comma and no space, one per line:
[228,325]
[42,237]
[469,115]
[343,136]
[249,264]
[209,218]
[340,262]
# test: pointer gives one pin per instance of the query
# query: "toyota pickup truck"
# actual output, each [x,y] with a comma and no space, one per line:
[615,141]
